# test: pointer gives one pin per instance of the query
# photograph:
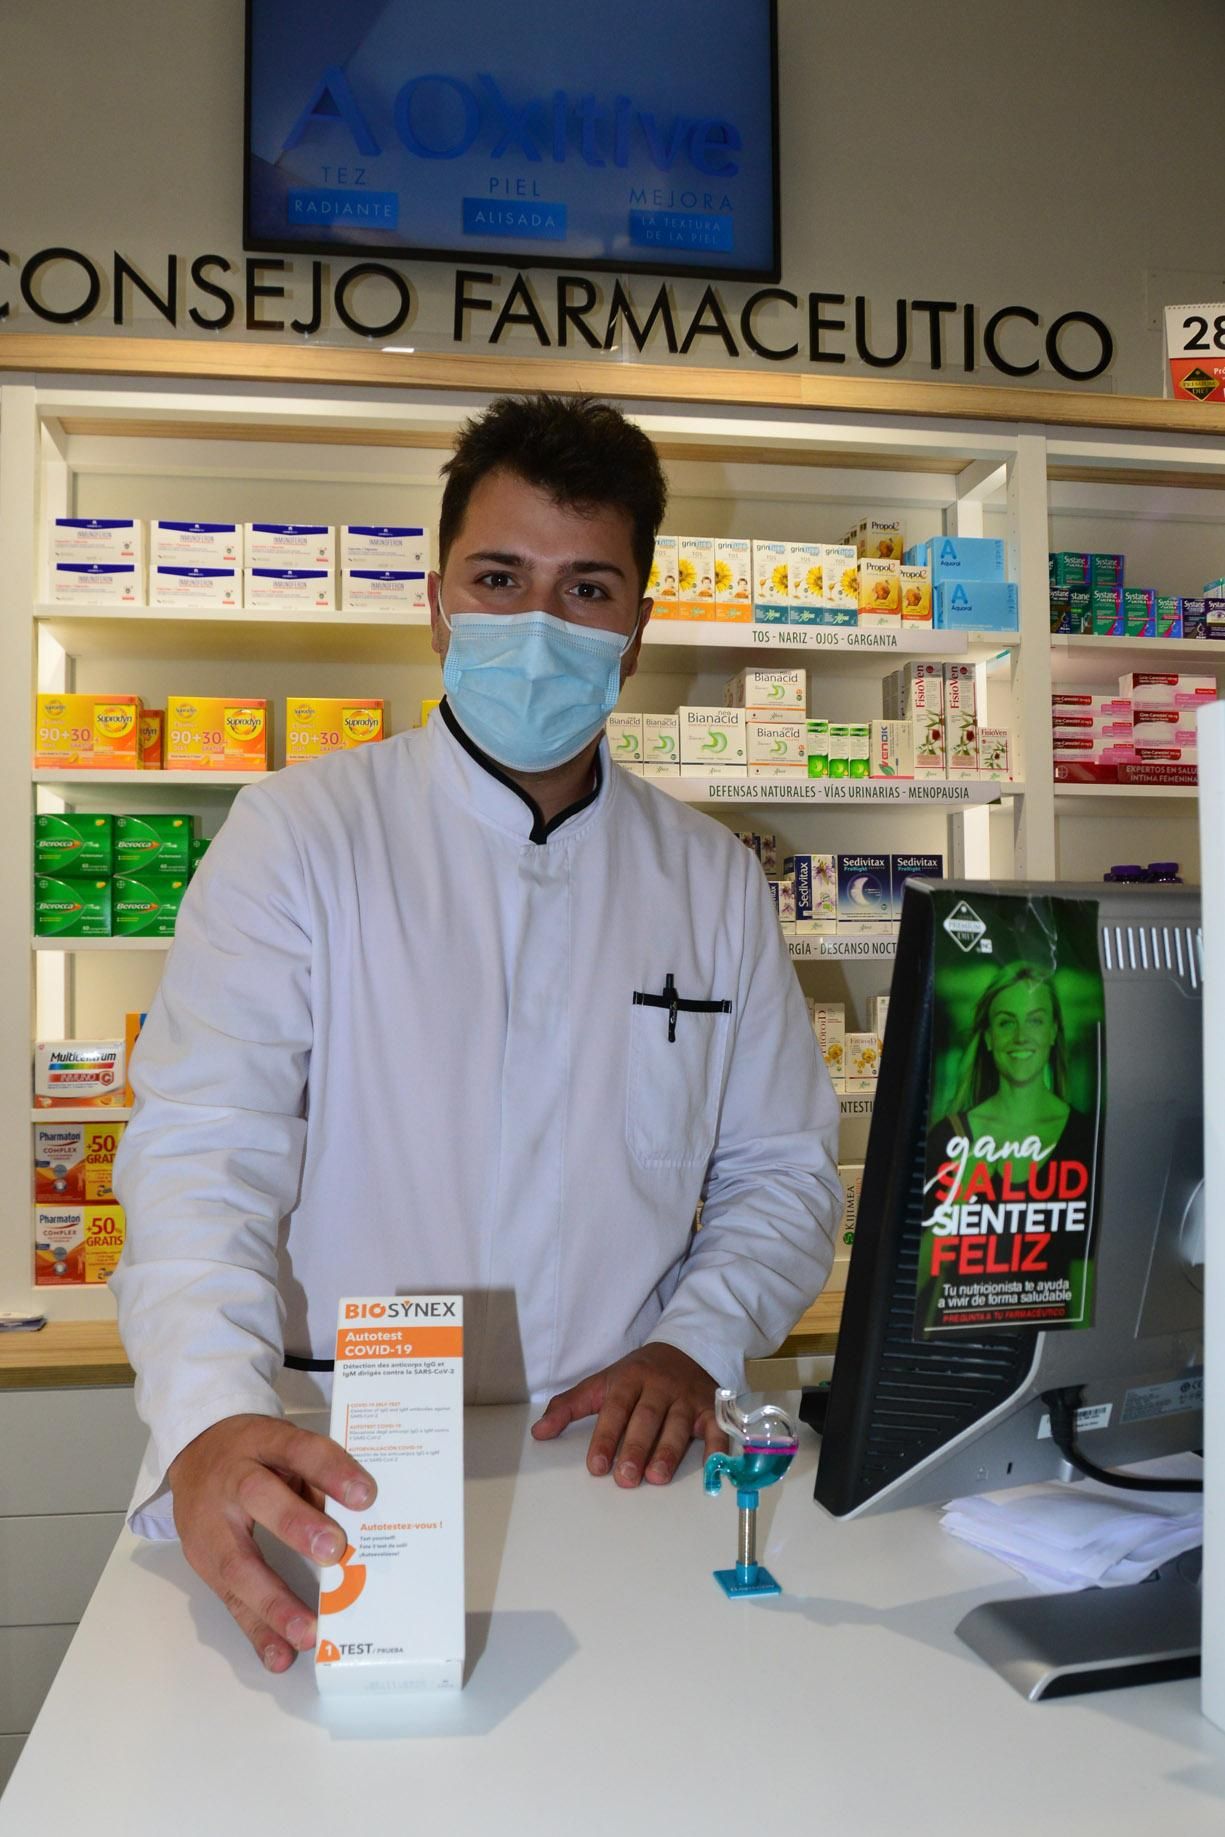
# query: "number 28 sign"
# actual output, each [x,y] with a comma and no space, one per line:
[1195,346]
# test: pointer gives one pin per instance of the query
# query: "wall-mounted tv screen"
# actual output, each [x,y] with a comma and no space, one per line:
[641,137]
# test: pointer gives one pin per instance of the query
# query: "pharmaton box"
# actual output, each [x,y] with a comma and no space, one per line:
[73,1162]
[391,1612]
[76,1244]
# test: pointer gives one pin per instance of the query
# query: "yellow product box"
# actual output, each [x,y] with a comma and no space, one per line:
[152,728]
[216,733]
[316,725]
[73,1162]
[770,576]
[734,580]
[87,732]
[876,540]
[663,578]
[805,577]
[880,589]
[75,1245]
[427,708]
[916,595]
[862,1062]
[696,577]
[133,1021]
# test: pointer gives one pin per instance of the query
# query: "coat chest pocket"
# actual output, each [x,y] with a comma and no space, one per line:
[675,1082]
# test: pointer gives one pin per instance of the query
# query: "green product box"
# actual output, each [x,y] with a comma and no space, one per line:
[74,844]
[1139,612]
[147,905]
[858,749]
[199,848]
[1106,570]
[818,749]
[1069,569]
[160,844]
[1107,608]
[1167,616]
[71,906]
[1080,609]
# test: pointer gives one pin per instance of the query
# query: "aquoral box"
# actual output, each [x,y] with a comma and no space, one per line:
[975,605]
[391,1610]
[962,558]
[76,1244]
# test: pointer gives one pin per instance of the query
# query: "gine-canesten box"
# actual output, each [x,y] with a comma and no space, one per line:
[401,547]
[289,545]
[189,584]
[289,590]
[199,545]
[391,1612]
[388,589]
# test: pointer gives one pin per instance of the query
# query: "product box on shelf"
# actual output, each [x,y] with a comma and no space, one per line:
[1167,616]
[878,1014]
[829,1025]
[910,867]
[816,893]
[786,903]
[76,1245]
[917,689]
[916,585]
[733,580]
[1106,570]
[1106,606]
[696,584]
[930,751]
[159,842]
[199,848]
[661,739]
[193,545]
[712,736]
[961,744]
[851,1176]
[1165,689]
[318,725]
[402,547]
[74,1161]
[977,559]
[97,539]
[862,1063]
[133,1022]
[87,732]
[975,605]
[1071,611]
[72,842]
[875,539]
[880,593]
[97,583]
[840,583]
[152,733]
[71,906]
[1194,618]
[147,903]
[863,889]
[219,589]
[769,695]
[624,735]
[1140,612]
[289,590]
[777,748]
[289,545]
[818,748]
[960,692]
[1070,568]
[78,1074]
[383,590]
[891,753]
[1214,617]
[391,1618]
[216,733]
[995,753]
[661,583]
[771,593]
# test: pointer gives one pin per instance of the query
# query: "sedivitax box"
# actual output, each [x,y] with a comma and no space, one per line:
[391,1612]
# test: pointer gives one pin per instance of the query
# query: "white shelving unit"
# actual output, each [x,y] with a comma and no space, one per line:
[93,445]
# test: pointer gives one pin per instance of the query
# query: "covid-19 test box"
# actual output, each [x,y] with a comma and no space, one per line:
[391,1612]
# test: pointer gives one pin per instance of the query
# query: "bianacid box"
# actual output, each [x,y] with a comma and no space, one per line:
[391,1612]
[661,740]
[624,733]
[712,737]
[769,695]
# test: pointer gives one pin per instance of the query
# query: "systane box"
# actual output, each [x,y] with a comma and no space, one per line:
[391,1612]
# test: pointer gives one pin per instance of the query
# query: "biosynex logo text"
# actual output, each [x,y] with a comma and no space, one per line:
[439,116]
[399,1310]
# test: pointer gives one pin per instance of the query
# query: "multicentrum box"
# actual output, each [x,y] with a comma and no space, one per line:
[216,733]
[78,1074]
[87,732]
[318,725]
[391,1612]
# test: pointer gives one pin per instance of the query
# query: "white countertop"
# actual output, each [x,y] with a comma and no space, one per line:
[612,1688]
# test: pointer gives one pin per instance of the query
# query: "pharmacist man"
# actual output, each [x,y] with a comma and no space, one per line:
[399,1046]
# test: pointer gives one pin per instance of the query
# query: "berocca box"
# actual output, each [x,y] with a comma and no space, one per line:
[147,904]
[71,842]
[391,1611]
[153,842]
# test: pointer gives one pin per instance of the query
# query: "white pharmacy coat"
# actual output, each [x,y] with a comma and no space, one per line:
[396,1049]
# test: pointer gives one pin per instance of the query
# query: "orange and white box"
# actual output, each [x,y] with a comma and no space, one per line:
[79,1074]
[87,732]
[75,1245]
[152,729]
[216,733]
[73,1162]
[916,595]
[391,1611]
[696,577]
[880,594]
[734,580]
[318,725]
[662,588]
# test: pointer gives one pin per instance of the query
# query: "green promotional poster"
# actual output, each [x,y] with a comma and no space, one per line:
[1017,1096]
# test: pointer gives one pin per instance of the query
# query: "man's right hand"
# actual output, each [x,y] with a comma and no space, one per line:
[250,1470]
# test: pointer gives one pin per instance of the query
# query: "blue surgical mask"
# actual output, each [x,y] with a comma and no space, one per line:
[531,690]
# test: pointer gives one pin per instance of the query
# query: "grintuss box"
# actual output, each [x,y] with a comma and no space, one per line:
[696,577]
[733,580]
[289,545]
[402,547]
[624,732]
[805,582]
[840,582]
[318,725]
[216,733]
[661,582]
[393,590]
[771,588]
[391,1612]
[289,590]
[712,736]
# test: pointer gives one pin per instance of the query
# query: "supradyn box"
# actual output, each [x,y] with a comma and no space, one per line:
[318,725]
[391,1612]
[216,733]
[87,732]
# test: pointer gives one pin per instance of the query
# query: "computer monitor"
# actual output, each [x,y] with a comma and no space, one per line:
[913,1418]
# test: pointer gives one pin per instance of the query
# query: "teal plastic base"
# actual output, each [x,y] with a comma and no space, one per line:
[737,1586]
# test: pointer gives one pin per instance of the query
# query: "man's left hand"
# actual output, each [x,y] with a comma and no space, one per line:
[650,1405]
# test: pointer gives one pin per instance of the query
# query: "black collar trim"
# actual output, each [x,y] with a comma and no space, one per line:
[541,831]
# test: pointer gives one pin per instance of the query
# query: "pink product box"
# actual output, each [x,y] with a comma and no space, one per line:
[1151,689]
[1112,724]
[1093,748]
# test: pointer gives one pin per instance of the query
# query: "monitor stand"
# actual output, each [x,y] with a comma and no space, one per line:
[1096,1639]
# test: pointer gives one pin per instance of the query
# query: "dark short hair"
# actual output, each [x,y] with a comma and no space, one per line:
[584,453]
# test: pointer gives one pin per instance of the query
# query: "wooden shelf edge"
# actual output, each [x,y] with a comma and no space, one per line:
[222,361]
[64,1355]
